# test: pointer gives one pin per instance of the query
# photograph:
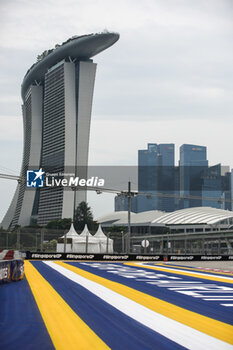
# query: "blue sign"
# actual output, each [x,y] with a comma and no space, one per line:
[35,178]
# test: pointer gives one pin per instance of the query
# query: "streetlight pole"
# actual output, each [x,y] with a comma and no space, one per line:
[18,239]
[41,239]
[7,240]
[107,242]
[122,242]
[129,217]
[87,243]
[65,238]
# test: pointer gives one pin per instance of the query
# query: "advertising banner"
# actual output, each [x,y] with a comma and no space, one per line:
[123,257]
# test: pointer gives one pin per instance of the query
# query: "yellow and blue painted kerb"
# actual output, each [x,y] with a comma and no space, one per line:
[86,305]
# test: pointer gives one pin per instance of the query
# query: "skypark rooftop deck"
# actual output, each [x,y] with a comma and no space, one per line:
[80,48]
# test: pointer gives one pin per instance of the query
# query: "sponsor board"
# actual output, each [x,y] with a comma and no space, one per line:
[123,257]
[181,257]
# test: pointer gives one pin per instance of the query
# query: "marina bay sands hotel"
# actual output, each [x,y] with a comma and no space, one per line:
[57,93]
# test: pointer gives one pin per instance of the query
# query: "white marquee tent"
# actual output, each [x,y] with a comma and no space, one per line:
[70,234]
[86,243]
[106,244]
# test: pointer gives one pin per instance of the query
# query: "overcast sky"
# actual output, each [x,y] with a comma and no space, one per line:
[168,79]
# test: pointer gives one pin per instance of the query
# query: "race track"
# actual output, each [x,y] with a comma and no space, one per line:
[108,305]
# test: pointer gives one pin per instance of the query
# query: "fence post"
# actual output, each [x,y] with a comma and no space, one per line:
[18,239]
[7,240]
[86,244]
[42,239]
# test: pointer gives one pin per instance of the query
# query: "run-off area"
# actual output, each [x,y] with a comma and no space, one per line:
[193,288]
[105,305]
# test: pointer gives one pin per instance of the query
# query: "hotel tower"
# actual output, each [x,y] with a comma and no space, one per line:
[57,93]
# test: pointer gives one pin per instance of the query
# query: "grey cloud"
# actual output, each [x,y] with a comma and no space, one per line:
[177,46]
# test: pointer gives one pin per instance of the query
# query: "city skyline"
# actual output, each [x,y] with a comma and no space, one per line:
[171,72]
[193,179]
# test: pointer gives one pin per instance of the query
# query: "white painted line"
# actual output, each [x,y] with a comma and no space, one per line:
[173,330]
[192,272]
[179,282]
[217,291]
[218,296]
[230,305]
[218,299]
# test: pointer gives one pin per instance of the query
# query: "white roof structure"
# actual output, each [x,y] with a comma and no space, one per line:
[144,217]
[121,217]
[196,215]
[114,217]
[189,216]
[71,233]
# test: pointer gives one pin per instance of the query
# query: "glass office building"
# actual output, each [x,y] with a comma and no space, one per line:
[155,175]
[193,163]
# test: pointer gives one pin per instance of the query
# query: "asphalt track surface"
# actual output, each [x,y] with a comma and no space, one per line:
[109,305]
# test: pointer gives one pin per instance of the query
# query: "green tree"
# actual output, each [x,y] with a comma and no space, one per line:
[50,246]
[83,215]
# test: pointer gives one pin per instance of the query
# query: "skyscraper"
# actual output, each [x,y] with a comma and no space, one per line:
[57,94]
[192,164]
[148,177]
[152,165]
[166,176]
[155,174]
[164,186]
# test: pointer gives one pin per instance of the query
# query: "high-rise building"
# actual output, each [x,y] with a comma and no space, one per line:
[212,187]
[57,94]
[163,186]
[148,162]
[155,174]
[192,164]
[166,176]
[226,178]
